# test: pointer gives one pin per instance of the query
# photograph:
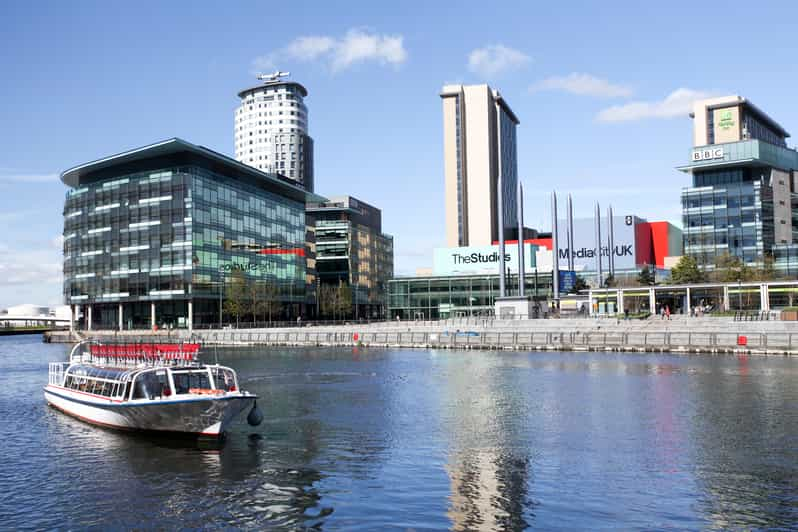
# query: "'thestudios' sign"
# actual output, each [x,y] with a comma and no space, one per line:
[707,154]
[480,259]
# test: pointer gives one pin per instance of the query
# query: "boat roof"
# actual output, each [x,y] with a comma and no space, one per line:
[102,372]
[84,369]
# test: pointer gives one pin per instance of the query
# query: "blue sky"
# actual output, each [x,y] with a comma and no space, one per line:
[601,89]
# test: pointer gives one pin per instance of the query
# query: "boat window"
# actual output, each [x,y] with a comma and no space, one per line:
[103,388]
[187,380]
[224,378]
[77,379]
[151,385]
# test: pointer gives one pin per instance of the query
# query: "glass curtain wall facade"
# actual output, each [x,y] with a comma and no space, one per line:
[128,239]
[165,239]
[785,260]
[733,218]
[744,199]
[240,230]
[448,297]
[351,249]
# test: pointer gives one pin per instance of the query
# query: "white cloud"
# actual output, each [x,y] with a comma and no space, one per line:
[677,103]
[582,84]
[358,47]
[29,267]
[29,178]
[339,53]
[495,59]
[310,48]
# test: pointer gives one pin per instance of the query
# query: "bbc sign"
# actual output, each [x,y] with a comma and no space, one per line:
[707,154]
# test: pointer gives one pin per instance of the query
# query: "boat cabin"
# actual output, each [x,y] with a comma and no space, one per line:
[149,383]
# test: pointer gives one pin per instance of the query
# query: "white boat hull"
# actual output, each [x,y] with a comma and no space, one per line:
[195,415]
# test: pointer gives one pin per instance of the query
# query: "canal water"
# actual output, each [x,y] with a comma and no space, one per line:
[360,439]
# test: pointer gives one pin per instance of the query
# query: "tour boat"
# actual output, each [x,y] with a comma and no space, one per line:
[148,387]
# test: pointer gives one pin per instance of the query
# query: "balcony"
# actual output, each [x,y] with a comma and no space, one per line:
[747,152]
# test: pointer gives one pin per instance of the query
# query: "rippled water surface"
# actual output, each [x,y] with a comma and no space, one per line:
[390,439]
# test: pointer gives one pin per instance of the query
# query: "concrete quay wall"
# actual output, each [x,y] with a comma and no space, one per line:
[560,335]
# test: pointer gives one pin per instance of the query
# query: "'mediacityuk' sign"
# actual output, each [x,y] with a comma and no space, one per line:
[624,252]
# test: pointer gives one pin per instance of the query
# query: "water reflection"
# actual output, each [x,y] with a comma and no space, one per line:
[744,434]
[366,440]
[488,466]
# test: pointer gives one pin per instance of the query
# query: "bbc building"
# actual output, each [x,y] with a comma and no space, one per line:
[743,200]
[156,235]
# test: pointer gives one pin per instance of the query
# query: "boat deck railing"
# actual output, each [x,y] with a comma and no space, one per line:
[136,354]
[56,373]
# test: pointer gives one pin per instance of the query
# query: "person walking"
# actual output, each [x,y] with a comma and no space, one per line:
[662,312]
[668,312]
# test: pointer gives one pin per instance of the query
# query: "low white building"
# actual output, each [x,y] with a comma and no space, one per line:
[33,314]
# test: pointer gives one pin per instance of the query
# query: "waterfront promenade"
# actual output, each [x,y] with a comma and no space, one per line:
[680,334]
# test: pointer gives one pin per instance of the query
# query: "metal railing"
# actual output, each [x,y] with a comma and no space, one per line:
[282,324]
[659,341]
[759,315]
[56,373]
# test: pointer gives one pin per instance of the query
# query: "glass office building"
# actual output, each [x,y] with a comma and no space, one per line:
[743,199]
[441,297]
[352,249]
[165,234]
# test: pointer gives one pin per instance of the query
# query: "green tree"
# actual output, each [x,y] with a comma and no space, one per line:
[271,300]
[255,298]
[580,284]
[265,300]
[610,281]
[335,300]
[345,299]
[646,276]
[768,270]
[730,269]
[686,271]
[328,297]
[236,301]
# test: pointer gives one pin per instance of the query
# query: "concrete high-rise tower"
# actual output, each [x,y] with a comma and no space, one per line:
[271,129]
[478,146]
